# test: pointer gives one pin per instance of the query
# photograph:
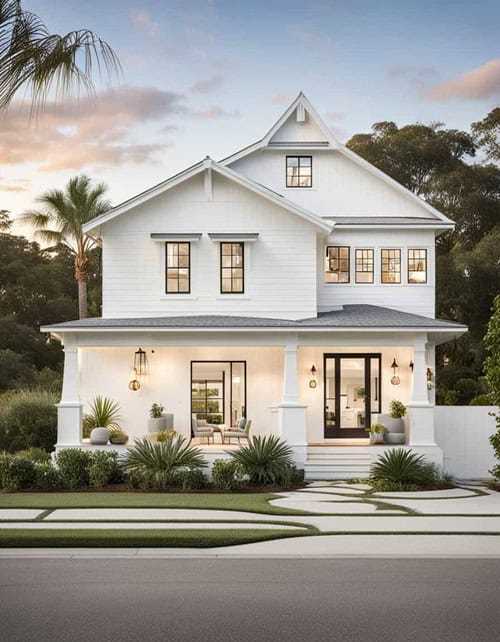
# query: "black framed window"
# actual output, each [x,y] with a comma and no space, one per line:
[337,264]
[232,257]
[178,268]
[364,266]
[417,266]
[391,266]
[299,171]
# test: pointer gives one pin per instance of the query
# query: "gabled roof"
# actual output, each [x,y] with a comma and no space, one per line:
[209,164]
[301,101]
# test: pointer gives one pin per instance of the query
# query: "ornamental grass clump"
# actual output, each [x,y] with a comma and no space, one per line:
[402,469]
[266,460]
[156,465]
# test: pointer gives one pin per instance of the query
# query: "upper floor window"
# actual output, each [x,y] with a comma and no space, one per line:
[391,266]
[364,266]
[417,266]
[299,171]
[337,264]
[231,268]
[178,265]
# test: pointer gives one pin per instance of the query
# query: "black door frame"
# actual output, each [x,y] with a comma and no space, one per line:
[332,432]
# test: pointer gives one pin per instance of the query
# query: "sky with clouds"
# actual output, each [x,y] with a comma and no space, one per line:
[209,77]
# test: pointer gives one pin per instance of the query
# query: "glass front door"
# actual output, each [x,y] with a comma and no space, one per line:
[352,393]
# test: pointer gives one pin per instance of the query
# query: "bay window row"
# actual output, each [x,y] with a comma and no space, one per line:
[338,265]
[178,268]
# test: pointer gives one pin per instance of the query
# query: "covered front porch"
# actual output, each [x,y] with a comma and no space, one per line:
[319,391]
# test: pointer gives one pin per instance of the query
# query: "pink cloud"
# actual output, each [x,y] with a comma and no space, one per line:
[216,111]
[142,19]
[92,133]
[481,82]
[279,99]
[205,85]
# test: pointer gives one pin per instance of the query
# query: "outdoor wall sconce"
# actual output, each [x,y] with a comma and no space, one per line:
[412,365]
[395,380]
[430,377]
[312,382]
[140,369]
[140,363]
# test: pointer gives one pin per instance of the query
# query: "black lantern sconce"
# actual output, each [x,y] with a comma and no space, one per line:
[395,380]
[411,365]
[312,382]
[430,379]
[140,369]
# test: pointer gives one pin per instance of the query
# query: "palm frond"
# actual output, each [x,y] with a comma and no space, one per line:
[400,466]
[30,57]
[104,413]
[267,460]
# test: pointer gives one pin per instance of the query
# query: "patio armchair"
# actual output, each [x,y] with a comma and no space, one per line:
[202,431]
[242,431]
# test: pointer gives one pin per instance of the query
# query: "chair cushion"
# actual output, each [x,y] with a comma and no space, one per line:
[242,423]
[202,422]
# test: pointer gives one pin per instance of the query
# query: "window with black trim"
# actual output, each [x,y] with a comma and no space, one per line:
[299,171]
[337,264]
[178,268]
[364,265]
[417,266]
[232,268]
[391,266]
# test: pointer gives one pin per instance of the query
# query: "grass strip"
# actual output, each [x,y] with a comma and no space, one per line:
[203,538]
[250,502]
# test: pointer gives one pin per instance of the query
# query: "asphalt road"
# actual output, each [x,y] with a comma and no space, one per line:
[197,599]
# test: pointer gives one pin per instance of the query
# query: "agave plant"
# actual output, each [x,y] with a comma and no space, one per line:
[267,460]
[400,466]
[156,464]
[104,413]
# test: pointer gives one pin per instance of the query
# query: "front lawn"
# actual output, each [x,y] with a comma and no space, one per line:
[252,502]
[202,538]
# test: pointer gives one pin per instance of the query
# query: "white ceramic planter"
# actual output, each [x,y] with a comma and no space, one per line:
[392,425]
[156,425]
[395,438]
[376,438]
[99,436]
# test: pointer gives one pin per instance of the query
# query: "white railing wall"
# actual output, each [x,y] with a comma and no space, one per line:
[463,434]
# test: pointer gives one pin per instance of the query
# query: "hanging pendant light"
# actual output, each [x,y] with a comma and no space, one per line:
[140,363]
[395,380]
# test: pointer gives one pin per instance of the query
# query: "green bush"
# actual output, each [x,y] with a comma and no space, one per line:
[402,469]
[20,474]
[104,469]
[36,455]
[5,459]
[191,479]
[267,461]
[228,474]
[481,400]
[165,435]
[157,464]
[74,467]
[28,418]
[47,477]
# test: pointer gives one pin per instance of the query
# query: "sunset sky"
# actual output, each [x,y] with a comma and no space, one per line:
[211,77]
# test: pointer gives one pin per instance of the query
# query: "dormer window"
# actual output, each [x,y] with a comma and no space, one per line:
[299,171]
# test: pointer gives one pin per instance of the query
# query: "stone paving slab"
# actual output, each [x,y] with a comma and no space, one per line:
[449,493]
[20,513]
[147,526]
[381,523]
[485,505]
[161,514]
[348,508]
[340,490]
[325,496]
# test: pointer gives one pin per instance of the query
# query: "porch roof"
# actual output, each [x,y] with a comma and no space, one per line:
[349,317]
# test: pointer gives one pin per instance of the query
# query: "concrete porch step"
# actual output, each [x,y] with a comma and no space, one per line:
[343,462]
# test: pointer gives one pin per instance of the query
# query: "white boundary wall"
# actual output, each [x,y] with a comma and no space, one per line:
[463,434]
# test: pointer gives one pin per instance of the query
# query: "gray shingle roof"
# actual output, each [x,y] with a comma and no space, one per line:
[385,220]
[350,316]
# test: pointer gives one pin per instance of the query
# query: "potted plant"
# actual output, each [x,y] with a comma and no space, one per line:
[102,420]
[165,435]
[118,437]
[157,421]
[377,432]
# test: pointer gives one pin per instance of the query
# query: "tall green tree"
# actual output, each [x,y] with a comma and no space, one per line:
[62,221]
[492,370]
[486,133]
[33,59]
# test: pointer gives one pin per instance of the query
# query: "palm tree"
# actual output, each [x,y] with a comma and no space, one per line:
[62,222]
[32,58]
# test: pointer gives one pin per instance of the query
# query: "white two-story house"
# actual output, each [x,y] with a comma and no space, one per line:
[292,283]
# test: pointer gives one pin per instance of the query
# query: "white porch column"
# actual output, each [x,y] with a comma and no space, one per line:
[292,413]
[69,409]
[420,410]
